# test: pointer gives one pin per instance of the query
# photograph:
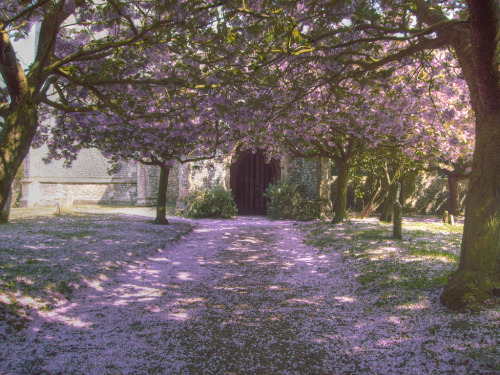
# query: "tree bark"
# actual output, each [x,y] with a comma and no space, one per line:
[388,207]
[372,205]
[4,215]
[21,117]
[161,201]
[341,198]
[453,208]
[408,186]
[478,275]
[15,140]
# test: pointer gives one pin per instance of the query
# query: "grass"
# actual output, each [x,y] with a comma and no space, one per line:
[404,278]
[45,259]
[423,260]
[47,211]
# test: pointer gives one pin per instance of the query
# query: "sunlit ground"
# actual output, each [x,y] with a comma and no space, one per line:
[115,294]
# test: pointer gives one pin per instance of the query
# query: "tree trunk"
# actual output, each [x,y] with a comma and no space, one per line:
[408,186]
[4,215]
[453,208]
[397,228]
[341,198]
[373,203]
[388,208]
[478,274]
[15,140]
[380,195]
[371,206]
[161,201]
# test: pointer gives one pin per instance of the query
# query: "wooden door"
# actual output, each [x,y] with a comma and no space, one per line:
[253,177]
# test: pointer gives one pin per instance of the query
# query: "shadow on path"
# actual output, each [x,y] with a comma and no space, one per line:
[245,296]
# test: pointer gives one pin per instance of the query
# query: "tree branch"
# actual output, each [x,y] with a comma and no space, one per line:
[92,49]
[422,45]
[67,108]
[26,11]
[4,109]
[49,30]
[12,73]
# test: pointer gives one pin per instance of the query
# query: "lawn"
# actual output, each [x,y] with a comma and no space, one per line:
[402,280]
[45,257]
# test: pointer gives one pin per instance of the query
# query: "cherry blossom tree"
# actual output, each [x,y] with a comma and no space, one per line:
[352,38]
[320,42]
[87,47]
[135,113]
[358,120]
[440,134]
[161,141]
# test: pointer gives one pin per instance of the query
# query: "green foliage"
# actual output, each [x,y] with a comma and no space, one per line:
[287,201]
[213,203]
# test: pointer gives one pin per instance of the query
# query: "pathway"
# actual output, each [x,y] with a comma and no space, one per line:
[244,296]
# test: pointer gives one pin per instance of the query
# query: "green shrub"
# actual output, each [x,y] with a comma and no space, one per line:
[213,203]
[287,201]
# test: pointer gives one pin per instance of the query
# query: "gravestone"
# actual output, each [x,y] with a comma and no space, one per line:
[397,221]
[446,217]
[451,219]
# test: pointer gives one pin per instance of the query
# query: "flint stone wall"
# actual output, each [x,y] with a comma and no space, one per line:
[307,173]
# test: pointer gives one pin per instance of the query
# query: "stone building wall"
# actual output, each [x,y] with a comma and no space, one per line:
[147,184]
[203,175]
[313,174]
[86,182]
[316,176]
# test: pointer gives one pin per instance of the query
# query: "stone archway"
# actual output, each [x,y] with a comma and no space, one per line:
[250,177]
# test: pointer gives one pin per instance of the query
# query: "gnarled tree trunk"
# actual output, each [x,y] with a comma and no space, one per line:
[372,204]
[161,201]
[478,274]
[388,207]
[341,198]
[15,140]
[454,191]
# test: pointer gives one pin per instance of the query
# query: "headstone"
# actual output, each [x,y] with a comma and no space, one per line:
[397,221]
[451,219]
[64,205]
[445,217]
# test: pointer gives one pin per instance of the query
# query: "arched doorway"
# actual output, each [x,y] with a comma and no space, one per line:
[250,177]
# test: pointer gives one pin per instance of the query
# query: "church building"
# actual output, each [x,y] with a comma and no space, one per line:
[87,181]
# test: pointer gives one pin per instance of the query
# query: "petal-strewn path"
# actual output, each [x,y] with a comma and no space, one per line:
[244,296]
